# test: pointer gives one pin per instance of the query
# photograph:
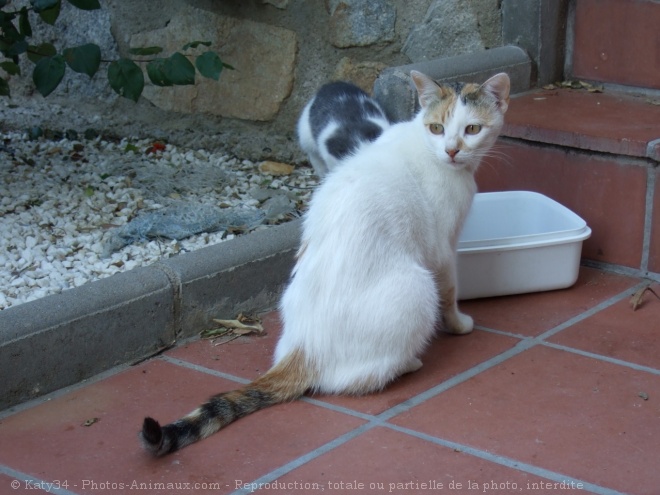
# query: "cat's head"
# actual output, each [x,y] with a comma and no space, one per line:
[462,121]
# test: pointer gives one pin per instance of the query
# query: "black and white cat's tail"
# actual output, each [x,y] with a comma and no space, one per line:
[286,381]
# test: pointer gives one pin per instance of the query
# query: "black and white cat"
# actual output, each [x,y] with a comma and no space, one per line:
[336,121]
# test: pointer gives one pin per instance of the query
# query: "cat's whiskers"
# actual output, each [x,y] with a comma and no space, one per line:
[498,156]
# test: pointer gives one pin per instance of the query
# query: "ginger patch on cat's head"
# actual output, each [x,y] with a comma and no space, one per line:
[437,100]
[491,96]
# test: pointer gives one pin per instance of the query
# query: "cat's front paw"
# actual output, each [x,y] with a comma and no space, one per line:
[458,324]
[413,365]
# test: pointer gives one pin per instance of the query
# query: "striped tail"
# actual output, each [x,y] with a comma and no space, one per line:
[286,381]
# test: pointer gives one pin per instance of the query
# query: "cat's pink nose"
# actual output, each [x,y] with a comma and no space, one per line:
[452,153]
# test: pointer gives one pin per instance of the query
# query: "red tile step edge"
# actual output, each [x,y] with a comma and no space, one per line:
[607,122]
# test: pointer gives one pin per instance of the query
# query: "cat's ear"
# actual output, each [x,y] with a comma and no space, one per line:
[499,86]
[427,88]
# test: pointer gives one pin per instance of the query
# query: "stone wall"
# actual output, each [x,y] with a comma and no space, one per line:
[283,50]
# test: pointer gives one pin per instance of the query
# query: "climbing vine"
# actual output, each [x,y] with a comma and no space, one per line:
[124,74]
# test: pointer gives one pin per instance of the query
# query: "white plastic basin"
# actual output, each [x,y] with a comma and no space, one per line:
[518,241]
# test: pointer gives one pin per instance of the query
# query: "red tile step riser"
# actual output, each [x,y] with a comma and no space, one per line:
[616,40]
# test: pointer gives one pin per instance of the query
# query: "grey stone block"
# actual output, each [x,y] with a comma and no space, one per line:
[265,65]
[539,27]
[394,90]
[361,22]
[450,28]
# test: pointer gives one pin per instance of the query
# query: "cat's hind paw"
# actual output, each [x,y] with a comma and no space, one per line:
[458,324]
[413,365]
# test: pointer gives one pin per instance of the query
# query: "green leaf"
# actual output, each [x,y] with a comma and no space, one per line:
[195,44]
[49,16]
[156,72]
[9,32]
[4,87]
[48,74]
[179,70]
[84,58]
[37,52]
[147,50]
[40,5]
[24,23]
[126,78]
[209,65]
[17,48]
[10,68]
[86,4]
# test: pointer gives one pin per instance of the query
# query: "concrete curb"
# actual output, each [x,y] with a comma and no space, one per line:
[65,338]
[395,93]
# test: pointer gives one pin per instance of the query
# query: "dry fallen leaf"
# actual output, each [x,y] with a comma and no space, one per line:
[275,168]
[638,297]
[591,88]
[229,330]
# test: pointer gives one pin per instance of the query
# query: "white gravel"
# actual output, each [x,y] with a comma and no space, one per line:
[61,200]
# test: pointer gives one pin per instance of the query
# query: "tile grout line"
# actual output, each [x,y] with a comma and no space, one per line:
[60,392]
[422,397]
[606,359]
[621,270]
[203,369]
[504,333]
[648,218]
[245,381]
[563,326]
[524,344]
[414,401]
[503,460]
[27,482]
[339,409]
[304,459]
[588,313]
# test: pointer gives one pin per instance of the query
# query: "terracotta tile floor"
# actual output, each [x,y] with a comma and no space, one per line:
[555,392]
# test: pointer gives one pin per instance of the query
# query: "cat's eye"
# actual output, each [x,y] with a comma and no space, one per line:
[473,129]
[436,128]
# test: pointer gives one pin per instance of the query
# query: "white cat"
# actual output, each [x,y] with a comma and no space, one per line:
[335,122]
[375,275]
